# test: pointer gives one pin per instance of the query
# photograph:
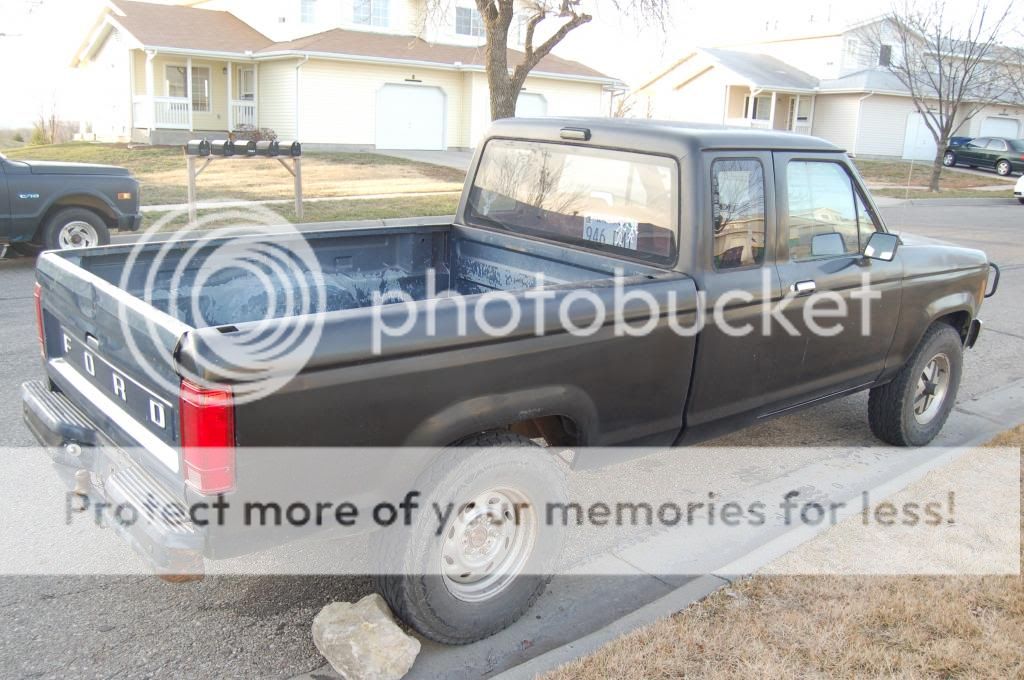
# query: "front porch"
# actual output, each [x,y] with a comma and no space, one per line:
[769,109]
[182,93]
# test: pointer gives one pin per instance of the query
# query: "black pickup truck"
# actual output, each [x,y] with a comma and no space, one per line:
[54,206]
[681,221]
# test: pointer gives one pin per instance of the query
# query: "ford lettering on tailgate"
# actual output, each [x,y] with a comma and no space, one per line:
[148,408]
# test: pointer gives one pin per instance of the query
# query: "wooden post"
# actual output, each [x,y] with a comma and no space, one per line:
[231,106]
[297,163]
[191,161]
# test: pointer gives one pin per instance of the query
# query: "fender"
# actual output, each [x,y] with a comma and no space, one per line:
[907,339]
[492,411]
[110,207]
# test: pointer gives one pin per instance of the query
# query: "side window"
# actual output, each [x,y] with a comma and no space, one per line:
[821,201]
[737,212]
[997,145]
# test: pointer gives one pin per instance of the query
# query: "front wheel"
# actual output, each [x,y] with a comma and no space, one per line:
[910,410]
[1003,168]
[74,228]
[477,572]
[949,160]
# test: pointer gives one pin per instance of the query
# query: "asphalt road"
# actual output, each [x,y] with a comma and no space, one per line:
[259,626]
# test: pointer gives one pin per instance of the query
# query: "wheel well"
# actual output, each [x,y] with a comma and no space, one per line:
[960,321]
[556,430]
[81,201]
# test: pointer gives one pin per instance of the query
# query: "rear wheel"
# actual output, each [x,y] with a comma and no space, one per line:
[949,159]
[1003,168]
[493,556]
[910,410]
[74,228]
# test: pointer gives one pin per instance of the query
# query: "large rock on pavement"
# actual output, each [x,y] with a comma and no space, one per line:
[361,641]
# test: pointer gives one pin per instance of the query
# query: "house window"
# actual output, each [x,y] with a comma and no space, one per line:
[370,12]
[885,55]
[307,11]
[246,84]
[176,85]
[468,22]
[762,107]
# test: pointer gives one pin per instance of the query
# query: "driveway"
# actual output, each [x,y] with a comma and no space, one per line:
[451,159]
[258,626]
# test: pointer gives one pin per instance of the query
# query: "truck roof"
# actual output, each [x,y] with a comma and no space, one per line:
[660,136]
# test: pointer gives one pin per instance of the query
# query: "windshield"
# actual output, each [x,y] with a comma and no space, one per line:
[601,199]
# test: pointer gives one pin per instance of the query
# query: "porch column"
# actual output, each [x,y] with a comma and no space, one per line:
[750,103]
[256,94]
[810,117]
[796,114]
[771,113]
[150,102]
[231,106]
[188,90]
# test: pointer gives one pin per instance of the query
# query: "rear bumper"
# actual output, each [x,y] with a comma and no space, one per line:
[161,534]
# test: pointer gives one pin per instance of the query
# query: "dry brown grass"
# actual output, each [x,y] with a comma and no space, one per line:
[828,626]
[903,173]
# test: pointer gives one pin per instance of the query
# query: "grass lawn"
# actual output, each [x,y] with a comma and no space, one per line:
[325,211]
[161,172]
[832,626]
[945,193]
[904,173]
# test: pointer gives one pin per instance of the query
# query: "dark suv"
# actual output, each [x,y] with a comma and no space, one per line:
[1005,155]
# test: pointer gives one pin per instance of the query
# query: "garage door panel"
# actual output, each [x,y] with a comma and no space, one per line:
[994,126]
[410,117]
[531,105]
[918,142]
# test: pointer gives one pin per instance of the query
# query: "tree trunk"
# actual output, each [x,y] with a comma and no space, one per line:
[504,94]
[933,181]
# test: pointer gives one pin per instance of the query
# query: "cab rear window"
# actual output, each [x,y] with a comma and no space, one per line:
[614,201]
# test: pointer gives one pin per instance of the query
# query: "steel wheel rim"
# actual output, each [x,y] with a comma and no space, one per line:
[932,387]
[487,544]
[948,159]
[1003,168]
[77,234]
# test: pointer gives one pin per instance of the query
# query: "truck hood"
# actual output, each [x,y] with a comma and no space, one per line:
[54,168]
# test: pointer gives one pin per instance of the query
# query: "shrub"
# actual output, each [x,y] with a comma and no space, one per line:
[250,133]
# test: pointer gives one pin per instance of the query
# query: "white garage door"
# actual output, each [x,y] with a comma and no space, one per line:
[918,143]
[531,105]
[410,117]
[1000,127]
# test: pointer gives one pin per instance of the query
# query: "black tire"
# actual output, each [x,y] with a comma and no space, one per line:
[949,159]
[50,235]
[1003,168]
[891,407]
[408,559]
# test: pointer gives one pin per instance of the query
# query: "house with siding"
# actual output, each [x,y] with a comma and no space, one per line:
[331,73]
[831,84]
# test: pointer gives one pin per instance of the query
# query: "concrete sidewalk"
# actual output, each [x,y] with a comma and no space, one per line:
[450,159]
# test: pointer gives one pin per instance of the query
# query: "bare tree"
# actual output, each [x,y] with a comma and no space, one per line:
[506,79]
[950,66]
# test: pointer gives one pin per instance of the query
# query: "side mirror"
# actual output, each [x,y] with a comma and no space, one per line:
[831,243]
[882,246]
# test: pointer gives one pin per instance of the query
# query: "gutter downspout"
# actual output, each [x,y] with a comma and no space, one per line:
[298,67]
[856,129]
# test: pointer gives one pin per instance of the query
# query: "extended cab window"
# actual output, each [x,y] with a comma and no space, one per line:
[737,212]
[613,201]
[822,200]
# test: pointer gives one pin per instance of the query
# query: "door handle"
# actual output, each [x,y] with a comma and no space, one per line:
[804,287]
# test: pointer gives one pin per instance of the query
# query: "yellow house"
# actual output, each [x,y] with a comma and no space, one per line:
[163,74]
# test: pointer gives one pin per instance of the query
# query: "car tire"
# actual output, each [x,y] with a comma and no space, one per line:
[1003,168]
[949,159]
[417,567]
[910,410]
[74,228]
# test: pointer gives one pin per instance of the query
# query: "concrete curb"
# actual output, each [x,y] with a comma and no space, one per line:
[888,201]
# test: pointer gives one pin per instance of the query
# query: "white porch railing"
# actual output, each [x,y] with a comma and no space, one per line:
[243,113]
[161,112]
[748,122]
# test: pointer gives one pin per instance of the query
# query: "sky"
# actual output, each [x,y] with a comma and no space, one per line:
[39,37]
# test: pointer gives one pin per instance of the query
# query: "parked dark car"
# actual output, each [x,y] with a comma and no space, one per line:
[686,216]
[55,206]
[999,153]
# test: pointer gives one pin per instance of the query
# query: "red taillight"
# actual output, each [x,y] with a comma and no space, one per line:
[37,293]
[207,418]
